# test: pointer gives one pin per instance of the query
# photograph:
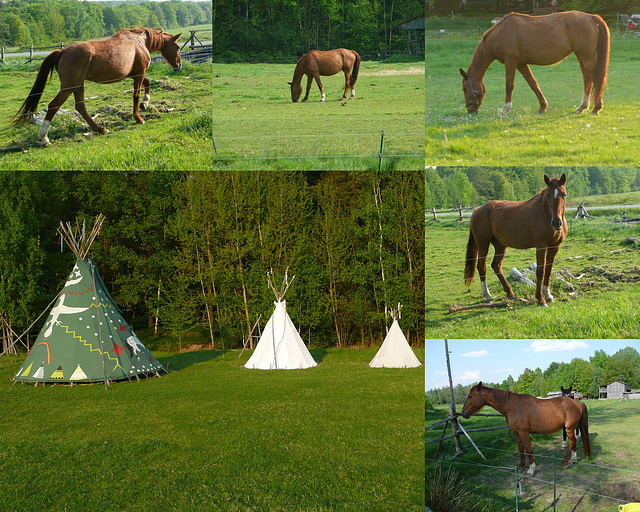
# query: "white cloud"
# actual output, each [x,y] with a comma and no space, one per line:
[476,353]
[503,370]
[557,345]
[439,372]
[468,376]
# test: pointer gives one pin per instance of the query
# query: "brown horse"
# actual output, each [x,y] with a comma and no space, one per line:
[123,55]
[569,392]
[538,222]
[519,40]
[528,415]
[316,63]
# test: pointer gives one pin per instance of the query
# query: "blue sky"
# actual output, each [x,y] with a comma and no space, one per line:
[494,360]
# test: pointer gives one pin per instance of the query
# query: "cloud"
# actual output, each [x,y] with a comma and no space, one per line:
[504,370]
[557,345]
[476,353]
[469,376]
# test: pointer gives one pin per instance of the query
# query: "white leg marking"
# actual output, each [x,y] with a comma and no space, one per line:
[353,93]
[564,443]
[507,107]
[532,469]
[44,129]
[574,456]
[323,98]
[485,292]
[547,295]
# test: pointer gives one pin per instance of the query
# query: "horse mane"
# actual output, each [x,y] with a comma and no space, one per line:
[502,396]
[155,39]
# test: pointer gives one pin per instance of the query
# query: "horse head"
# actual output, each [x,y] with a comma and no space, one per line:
[554,197]
[475,401]
[171,51]
[473,92]
[296,90]
[566,391]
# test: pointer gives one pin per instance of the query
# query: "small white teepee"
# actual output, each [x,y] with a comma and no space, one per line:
[280,347]
[395,351]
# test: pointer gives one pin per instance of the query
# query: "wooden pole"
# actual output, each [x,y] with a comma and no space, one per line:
[452,407]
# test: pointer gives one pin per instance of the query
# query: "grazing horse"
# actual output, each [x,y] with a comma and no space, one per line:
[518,40]
[316,63]
[126,54]
[538,222]
[528,415]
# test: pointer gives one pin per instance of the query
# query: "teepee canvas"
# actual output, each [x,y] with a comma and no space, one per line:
[85,337]
[280,347]
[395,351]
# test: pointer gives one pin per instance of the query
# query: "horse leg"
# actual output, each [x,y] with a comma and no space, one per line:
[564,436]
[540,262]
[137,83]
[82,109]
[526,442]
[525,71]
[347,78]
[52,109]
[587,74]
[309,82]
[572,453]
[144,105]
[551,256]
[520,449]
[322,94]
[482,272]
[496,265]
[510,71]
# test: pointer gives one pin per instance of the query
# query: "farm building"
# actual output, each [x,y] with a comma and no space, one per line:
[415,34]
[619,390]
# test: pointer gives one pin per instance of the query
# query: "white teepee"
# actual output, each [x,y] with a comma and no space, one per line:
[395,351]
[280,347]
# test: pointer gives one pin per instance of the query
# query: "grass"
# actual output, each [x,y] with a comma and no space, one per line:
[612,471]
[176,134]
[601,305]
[257,126]
[524,137]
[211,435]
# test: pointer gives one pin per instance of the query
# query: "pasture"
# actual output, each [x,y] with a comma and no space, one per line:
[609,479]
[599,267]
[212,435]
[524,137]
[257,126]
[176,134]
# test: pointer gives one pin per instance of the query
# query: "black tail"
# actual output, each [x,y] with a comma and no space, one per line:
[584,429]
[30,105]
[470,265]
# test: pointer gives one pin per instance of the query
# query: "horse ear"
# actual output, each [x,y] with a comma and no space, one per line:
[479,385]
[290,83]
[464,75]
[562,389]
[547,180]
[175,38]
[563,179]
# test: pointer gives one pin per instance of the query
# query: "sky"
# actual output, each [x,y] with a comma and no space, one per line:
[494,360]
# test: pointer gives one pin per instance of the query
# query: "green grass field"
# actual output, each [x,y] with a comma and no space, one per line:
[257,126]
[612,472]
[212,435]
[524,137]
[176,133]
[601,264]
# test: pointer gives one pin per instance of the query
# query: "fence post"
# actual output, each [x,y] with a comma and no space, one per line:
[2,51]
[516,478]
[554,481]
[380,154]
[30,54]
[435,217]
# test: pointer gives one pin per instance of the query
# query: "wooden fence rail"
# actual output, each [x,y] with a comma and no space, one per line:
[4,51]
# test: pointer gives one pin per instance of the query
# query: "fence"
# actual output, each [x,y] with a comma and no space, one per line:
[31,58]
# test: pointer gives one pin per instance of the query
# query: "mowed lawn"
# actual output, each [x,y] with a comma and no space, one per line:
[212,435]
[524,137]
[257,126]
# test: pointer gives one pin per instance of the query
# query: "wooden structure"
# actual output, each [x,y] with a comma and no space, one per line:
[415,28]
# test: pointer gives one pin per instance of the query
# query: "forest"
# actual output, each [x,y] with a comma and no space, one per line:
[283,30]
[471,186]
[48,22]
[184,253]
[586,377]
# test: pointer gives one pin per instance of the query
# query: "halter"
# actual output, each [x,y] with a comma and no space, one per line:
[474,95]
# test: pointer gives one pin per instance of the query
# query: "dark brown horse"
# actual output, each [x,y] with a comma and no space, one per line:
[519,40]
[124,55]
[528,415]
[538,222]
[316,63]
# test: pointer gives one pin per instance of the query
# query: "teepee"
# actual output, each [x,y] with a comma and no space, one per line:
[280,347]
[85,337]
[395,351]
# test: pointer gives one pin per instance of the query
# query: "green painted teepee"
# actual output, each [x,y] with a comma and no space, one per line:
[85,337]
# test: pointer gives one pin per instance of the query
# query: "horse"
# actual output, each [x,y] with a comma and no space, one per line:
[519,40]
[528,415]
[126,54]
[316,63]
[568,392]
[538,222]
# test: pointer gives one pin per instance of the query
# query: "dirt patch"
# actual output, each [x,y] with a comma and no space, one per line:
[595,276]
[388,72]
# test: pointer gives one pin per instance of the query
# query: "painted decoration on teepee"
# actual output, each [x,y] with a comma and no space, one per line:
[85,337]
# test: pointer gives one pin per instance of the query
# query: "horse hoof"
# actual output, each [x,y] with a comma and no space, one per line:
[44,142]
[543,305]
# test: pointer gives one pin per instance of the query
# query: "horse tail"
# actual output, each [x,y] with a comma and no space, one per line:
[602,61]
[584,433]
[30,105]
[470,264]
[354,72]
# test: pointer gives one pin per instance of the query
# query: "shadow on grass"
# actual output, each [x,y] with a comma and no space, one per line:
[177,362]
[318,354]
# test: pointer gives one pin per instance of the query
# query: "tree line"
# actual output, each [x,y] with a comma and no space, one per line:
[283,30]
[584,376]
[48,22]
[186,253]
[471,186]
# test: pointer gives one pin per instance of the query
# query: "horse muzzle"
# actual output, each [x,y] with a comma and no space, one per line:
[556,224]
[466,415]
[177,67]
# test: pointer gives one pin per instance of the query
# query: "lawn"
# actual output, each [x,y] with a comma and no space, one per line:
[599,263]
[524,137]
[212,435]
[257,126]
[609,479]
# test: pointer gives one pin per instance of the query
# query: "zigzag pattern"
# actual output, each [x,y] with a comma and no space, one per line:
[90,289]
[91,349]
